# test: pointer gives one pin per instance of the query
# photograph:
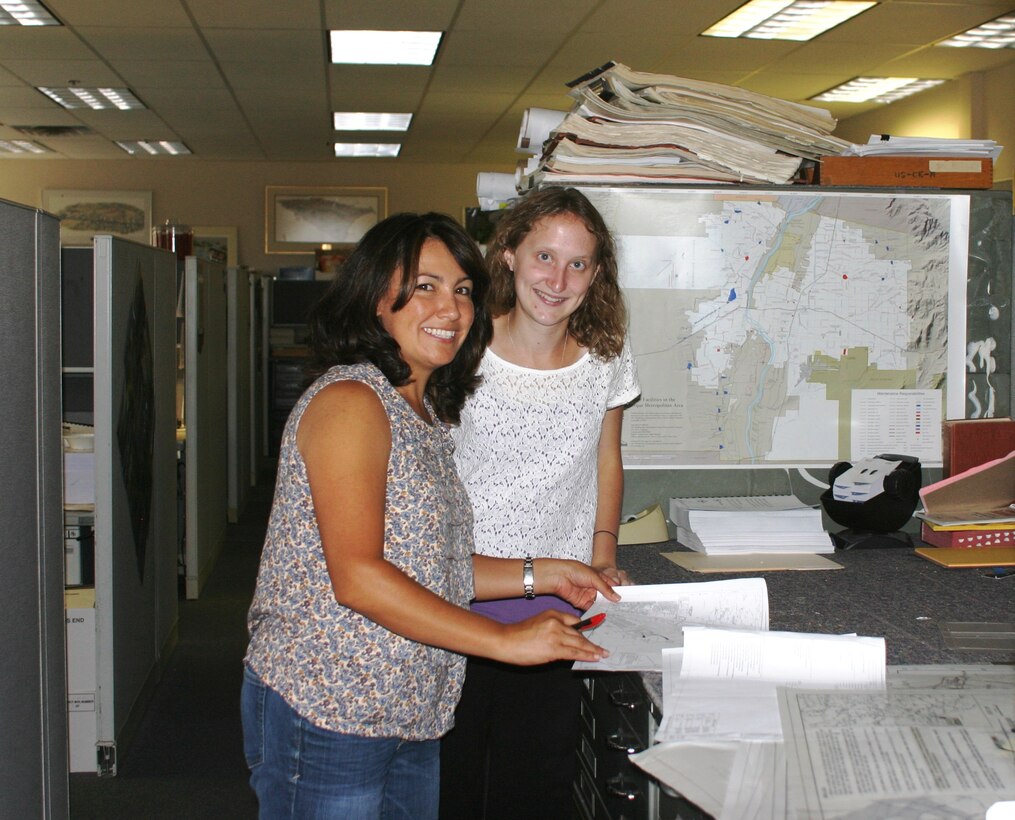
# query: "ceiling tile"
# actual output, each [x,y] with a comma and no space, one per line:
[492,79]
[48,72]
[297,78]
[120,13]
[145,43]
[844,58]
[944,62]
[54,115]
[277,47]
[433,15]
[523,16]
[23,97]
[256,14]
[43,42]
[199,76]
[508,48]
[915,22]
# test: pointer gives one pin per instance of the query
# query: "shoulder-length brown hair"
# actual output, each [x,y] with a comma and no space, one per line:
[345,328]
[600,323]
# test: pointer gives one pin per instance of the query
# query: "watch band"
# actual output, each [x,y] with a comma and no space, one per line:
[528,578]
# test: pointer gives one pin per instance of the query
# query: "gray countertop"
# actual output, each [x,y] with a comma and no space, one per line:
[889,593]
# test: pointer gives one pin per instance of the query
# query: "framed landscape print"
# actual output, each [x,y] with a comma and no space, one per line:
[301,219]
[83,214]
[216,245]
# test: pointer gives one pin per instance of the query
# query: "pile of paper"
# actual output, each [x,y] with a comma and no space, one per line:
[629,126]
[880,145]
[749,524]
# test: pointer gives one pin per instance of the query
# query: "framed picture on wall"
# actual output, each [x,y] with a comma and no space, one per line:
[83,214]
[216,244]
[301,219]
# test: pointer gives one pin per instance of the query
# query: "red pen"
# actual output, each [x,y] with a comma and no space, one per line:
[591,623]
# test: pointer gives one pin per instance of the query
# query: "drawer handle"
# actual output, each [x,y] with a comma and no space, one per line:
[624,742]
[624,700]
[620,786]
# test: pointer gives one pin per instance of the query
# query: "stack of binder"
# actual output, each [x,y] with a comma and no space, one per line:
[754,524]
[629,126]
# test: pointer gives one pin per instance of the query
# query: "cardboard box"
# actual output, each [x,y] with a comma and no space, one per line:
[967,443]
[908,172]
[981,495]
[966,539]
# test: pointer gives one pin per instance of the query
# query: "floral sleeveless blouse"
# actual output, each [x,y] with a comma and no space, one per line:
[336,668]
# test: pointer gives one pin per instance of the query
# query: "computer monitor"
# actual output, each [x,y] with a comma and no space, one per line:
[291,300]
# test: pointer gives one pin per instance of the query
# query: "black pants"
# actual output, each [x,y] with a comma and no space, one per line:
[512,751]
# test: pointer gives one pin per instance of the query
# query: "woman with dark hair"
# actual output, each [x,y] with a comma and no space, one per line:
[538,450]
[360,609]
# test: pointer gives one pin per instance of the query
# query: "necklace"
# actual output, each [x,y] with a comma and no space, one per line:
[514,345]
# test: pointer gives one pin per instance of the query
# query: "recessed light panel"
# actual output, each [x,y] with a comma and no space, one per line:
[153,148]
[26,13]
[787,19]
[999,33]
[360,121]
[22,147]
[384,47]
[96,99]
[367,149]
[876,89]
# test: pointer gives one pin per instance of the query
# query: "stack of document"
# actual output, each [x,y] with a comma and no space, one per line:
[630,126]
[880,145]
[749,524]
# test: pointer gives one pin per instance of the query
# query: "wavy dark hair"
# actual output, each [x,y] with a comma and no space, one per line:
[600,324]
[345,328]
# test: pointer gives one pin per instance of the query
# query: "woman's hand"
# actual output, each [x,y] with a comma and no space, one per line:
[575,582]
[617,577]
[548,636]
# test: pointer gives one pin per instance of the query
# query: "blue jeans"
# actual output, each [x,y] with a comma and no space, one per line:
[302,772]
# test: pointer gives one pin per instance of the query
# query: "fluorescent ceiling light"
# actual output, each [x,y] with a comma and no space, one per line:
[384,47]
[876,89]
[360,121]
[153,147]
[999,33]
[367,149]
[22,147]
[787,19]
[26,13]
[94,98]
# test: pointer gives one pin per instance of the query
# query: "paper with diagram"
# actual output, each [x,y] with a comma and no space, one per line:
[650,618]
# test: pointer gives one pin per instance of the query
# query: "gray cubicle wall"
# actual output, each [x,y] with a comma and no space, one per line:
[136,602]
[33,693]
[239,359]
[989,317]
[207,419]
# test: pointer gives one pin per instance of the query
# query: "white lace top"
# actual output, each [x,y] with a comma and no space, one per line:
[527,452]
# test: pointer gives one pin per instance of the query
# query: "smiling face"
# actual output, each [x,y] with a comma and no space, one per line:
[431,327]
[554,265]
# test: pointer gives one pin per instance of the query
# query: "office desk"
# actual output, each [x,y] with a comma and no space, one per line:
[890,593]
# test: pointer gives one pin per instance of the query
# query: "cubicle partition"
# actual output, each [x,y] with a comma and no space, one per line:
[33,694]
[206,410]
[240,374]
[135,524]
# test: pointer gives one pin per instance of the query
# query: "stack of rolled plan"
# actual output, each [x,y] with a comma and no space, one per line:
[537,124]
[494,190]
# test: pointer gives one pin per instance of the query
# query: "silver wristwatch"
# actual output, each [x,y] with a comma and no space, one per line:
[528,578]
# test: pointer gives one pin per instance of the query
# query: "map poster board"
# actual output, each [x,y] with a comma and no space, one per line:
[770,326]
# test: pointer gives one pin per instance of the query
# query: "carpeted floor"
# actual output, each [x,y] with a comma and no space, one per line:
[187,758]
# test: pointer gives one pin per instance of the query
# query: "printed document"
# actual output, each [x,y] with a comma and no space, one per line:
[650,618]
